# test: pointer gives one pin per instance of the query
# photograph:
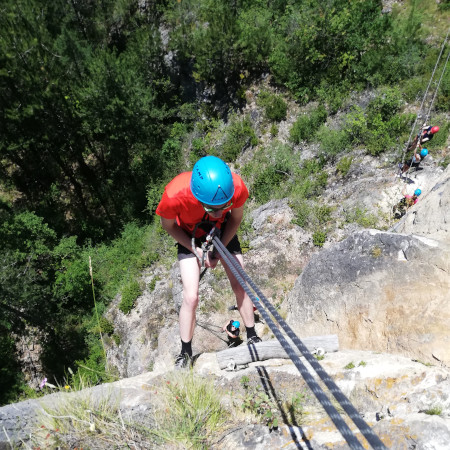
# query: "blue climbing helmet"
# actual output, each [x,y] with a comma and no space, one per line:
[424,152]
[211,181]
[417,192]
[236,324]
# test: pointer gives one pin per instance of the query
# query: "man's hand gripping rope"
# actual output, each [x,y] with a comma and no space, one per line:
[207,258]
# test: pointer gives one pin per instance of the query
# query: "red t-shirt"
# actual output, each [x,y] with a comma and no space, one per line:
[179,203]
[409,197]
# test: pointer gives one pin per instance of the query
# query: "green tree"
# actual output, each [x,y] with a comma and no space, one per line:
[43,286]
[331,39]
[85,110]
[204,36]
[11,378]
[275,107]
[254,42]
[307,124]
[26,270]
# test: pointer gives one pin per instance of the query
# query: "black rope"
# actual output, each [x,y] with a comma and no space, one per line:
[324,400]
[210,325]
[202,273]
[206,327]
[367,432]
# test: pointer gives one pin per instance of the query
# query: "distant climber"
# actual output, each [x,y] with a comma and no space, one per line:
[401,208]
[426,134]
[209,193]
[415,161]
[232,330]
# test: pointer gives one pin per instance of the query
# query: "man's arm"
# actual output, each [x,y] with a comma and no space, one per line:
[233,223]
[171,226]
[224,329]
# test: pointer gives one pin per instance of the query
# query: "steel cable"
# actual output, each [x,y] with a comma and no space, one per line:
[312,383]
[437,87]
[367,432]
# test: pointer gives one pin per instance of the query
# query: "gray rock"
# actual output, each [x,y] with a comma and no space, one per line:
[431,216]
[390,392]
[418,431]
[275,211]
[380,291]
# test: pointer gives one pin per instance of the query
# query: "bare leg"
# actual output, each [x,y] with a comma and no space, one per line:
[244,304]
[190,273]
[413,144]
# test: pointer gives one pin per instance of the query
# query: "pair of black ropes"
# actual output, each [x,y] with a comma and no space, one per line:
[245,281]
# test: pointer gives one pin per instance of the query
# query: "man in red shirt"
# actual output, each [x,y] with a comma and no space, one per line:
[211,192]
[425,135]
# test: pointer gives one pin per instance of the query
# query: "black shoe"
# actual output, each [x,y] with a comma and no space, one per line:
[182,361]
[257,318]
[233,308]
[253,340]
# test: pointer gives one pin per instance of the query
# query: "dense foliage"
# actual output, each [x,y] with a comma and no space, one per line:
[103,102]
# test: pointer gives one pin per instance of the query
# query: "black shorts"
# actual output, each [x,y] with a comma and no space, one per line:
[234,247]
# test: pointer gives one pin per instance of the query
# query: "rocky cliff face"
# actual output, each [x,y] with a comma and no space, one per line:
[384,291]
[392,393]
[385,294]
[431,217]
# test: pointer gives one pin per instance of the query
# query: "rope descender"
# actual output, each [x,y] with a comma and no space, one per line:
[207,245]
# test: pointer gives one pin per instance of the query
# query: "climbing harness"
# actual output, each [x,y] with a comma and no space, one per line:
[424,98]
[260,299]
[207,245]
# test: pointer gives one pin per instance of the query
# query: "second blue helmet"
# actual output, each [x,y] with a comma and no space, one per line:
[236,324]
[424,152]
[212,181]
[417,192]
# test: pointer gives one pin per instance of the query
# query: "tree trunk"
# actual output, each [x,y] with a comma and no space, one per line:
[245,354]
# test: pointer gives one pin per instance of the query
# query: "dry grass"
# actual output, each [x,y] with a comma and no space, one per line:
[191,415]
[83,421]
[188,415]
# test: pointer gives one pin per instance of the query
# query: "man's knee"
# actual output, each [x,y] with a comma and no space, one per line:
[190,300]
